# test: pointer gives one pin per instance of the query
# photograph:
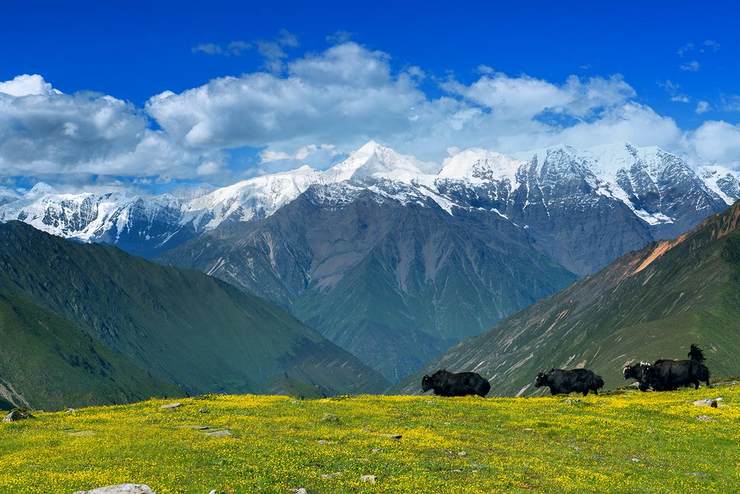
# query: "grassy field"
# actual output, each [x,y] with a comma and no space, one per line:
[631,442]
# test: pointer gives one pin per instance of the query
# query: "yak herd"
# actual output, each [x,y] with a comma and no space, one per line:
[661,375]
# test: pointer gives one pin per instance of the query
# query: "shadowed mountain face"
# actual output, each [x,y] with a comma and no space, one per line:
[124,321]
[393,283]
[646,305]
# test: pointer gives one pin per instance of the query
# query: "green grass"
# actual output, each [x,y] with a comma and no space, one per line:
[631,442]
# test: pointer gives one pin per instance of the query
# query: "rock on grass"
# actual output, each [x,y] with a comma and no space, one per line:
[120,489]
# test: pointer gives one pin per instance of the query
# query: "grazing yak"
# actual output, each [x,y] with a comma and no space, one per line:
[667,375]
[561,381]
[451,384]
[638,372]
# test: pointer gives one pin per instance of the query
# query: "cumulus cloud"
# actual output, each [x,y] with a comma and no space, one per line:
[26,85]
[318,107]
[43,130]
[525,97]
[717,141]
[344,93]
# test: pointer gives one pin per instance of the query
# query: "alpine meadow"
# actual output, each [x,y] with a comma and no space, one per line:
[385,247]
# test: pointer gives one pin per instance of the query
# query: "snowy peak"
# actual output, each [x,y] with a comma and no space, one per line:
[374,161]
[249,199]
[139,225]
[657,187]
[479,165]
[723,181]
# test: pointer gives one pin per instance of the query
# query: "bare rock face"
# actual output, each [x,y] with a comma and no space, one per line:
[120,489]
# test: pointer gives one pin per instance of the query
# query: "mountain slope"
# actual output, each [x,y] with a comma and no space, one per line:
[386,274]
[648,304]
[48,362]
[181,326]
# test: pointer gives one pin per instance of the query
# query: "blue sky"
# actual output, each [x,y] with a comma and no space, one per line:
[677,58]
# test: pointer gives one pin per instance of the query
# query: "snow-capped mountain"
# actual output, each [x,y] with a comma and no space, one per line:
[724,182]
[250,199]
[141,225]
[656,194]
[376,162]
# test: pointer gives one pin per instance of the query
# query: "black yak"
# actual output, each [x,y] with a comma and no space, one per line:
[561,381]
[451,384]
[667,375]
[638,372]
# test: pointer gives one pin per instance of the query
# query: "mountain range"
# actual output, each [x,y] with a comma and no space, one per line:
[393,263]
[656,192]
[82,324]
[649,304]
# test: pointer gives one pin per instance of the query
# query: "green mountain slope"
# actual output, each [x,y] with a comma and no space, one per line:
[181,326]
[46,361]
[393,284]
[648,304]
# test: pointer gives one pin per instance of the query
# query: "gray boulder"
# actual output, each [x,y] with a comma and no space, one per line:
[120,489]
[17,414]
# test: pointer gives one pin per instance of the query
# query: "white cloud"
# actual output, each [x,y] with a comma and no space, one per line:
[318,156]
[702,107]
[692,66]
[344,94]
[632,122]
[45,131]
[26,85]
[716,141]
[525,97]
[301,154]
[340,97]
[209,168]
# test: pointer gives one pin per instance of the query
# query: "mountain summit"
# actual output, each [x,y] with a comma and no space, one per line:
[374,161]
